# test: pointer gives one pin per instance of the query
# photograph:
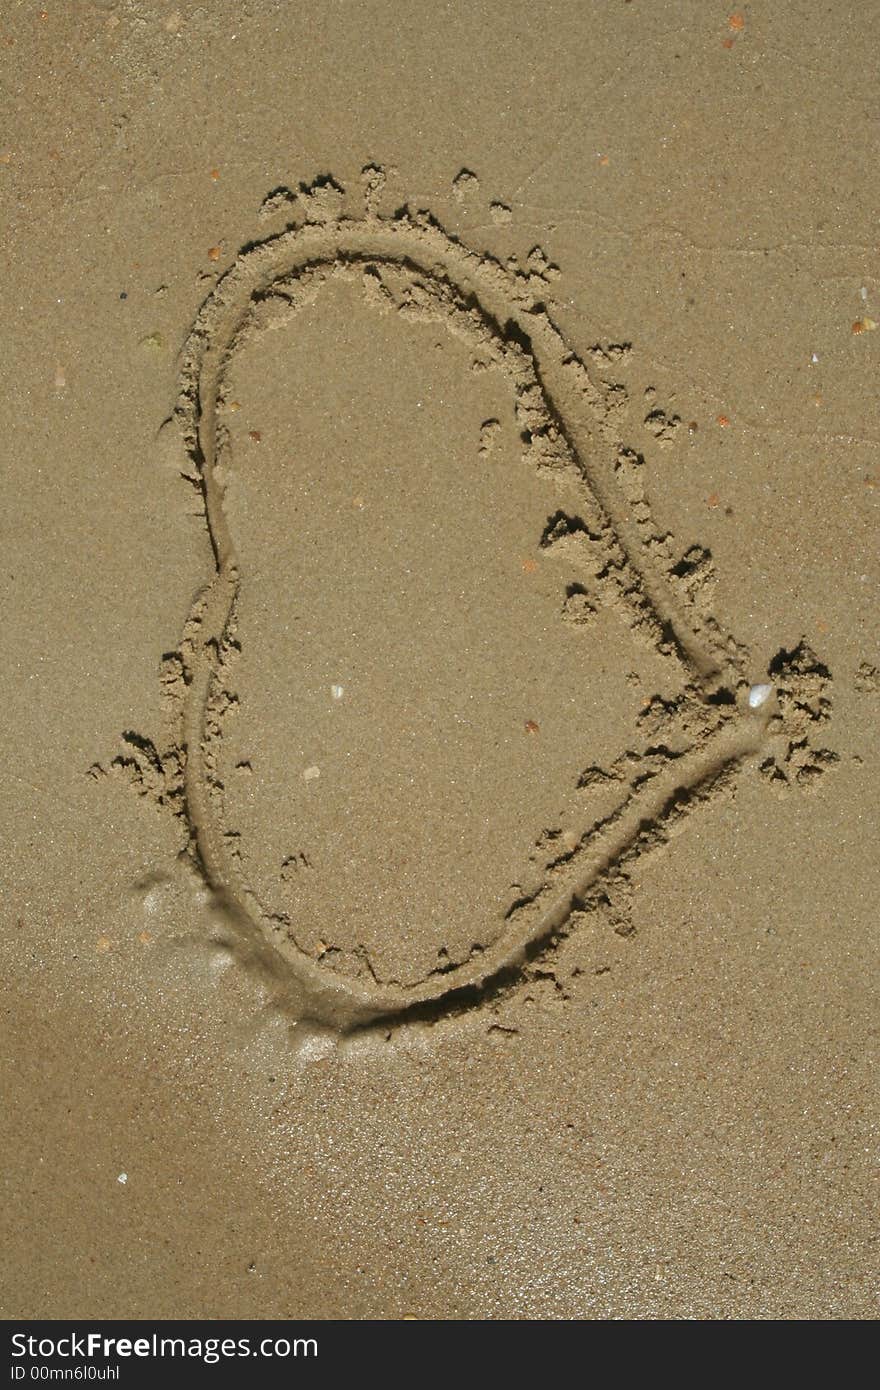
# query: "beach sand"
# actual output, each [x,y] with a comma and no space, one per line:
[441,689]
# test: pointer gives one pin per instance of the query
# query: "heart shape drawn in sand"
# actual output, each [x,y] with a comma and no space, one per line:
[582,484]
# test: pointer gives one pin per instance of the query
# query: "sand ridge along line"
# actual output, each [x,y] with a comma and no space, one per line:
[691,743]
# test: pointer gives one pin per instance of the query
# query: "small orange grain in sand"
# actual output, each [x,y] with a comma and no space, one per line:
[6,157]
[821,625]
[529,566]
[724,421]
[215,173]
[103,944]
[864,325]
[737,22]
[531,727]
[727,43]
[146,938]
[213,253]
[255,435]
[604,160]
[713,499]
[817,399]
[358,502]
[692,427]
[869,481]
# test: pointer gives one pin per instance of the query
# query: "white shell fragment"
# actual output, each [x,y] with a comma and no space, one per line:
[311,773]
[759,695]
[337,691]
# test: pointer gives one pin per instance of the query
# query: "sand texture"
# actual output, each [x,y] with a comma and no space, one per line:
[441,453]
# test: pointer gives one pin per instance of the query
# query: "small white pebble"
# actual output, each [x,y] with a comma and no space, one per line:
[337,691]
[311,773]
[814,358]
[864,294]
[123,1178]
[758,695]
